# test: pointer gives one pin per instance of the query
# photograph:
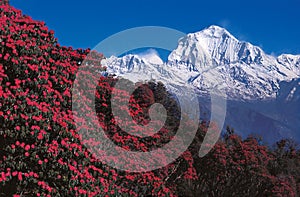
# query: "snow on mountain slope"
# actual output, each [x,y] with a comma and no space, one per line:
[291,62]
[139,68]
[246,70]
[213,58]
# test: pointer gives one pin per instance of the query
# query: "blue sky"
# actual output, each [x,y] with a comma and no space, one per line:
[272,25]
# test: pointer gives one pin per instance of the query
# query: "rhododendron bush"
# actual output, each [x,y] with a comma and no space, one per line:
[43,154]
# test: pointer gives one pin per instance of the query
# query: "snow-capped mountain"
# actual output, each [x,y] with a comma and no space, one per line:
[262,90]
[243,70]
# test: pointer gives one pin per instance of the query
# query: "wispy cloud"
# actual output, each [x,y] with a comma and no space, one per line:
[225,23]
[151,55]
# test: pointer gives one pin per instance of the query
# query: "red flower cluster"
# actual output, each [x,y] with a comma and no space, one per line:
[40,151]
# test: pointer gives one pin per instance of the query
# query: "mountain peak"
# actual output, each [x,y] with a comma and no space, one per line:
[217,43]
[248,72]
[215,27]
[216,32]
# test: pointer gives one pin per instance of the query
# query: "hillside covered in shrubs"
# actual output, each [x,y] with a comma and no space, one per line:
[42,154]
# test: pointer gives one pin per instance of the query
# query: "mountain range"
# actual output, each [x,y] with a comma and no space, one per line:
[262,90]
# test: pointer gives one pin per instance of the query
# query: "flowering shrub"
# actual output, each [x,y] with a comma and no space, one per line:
[42,154]
[237,167]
